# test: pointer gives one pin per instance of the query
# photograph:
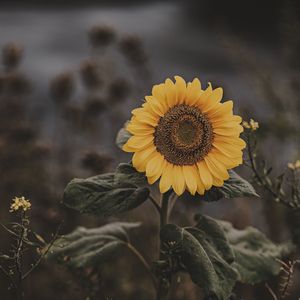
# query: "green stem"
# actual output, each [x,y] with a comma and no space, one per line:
[164,284]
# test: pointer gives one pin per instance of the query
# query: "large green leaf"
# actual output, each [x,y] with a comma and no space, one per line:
[193,248]
[107,194]
[91,247]
[255,255]
[122,137]
[127,174]
[234,187]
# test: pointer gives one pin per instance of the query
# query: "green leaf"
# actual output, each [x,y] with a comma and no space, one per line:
[91,247]
[234,187]
[104,195]
[127,174]
[200,257]
[255,255]
[122,137]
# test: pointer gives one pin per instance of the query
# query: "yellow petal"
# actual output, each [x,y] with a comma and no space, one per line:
[181,89]
[147,118]
[228,162]
[230,140]
[154,165]
[193,92]
[200,185]
[171,92]
[140,129]
[216,168]
[166,178]
[205,174]
[140,142]
[158,91]
[216,96]
[155,177]
[178,180]
[140,158]
[217,182]
[190,174]
[155,105]
[202,102]
[229,132]
[228,150]
[221,110]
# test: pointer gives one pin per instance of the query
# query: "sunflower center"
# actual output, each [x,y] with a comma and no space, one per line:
[183,135]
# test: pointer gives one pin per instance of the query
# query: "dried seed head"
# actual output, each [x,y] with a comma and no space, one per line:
[183,135]
[62,87]
[132,48]
[119,90]
[94,106]
[90,75]
[12,55]
[101,36]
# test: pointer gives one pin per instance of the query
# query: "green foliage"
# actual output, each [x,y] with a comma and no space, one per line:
[216,255]
[91,247]
[127,174]
[107,194]
[255,255]
[122,137]
[234,187]
[201,259]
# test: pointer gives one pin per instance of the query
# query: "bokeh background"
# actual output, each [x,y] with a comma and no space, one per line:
[71,72]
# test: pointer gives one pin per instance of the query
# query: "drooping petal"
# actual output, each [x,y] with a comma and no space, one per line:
[140,158]
[154,165]
[152,179]
[190,175]
[205,174]
[165,182]
[178,180]
[216,168]
[140,142]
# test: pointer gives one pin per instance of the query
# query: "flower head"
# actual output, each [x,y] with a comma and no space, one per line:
[251,125]
[185,136]
[295,165]
[20,203]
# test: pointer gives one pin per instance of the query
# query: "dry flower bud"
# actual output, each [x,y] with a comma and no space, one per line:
[11,55]
[101,36]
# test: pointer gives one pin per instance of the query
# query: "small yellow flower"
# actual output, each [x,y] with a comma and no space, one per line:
[250,125]
[20,203]
[295,165]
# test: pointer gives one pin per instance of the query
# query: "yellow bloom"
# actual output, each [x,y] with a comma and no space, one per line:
[185,136]
[295,165]
[250,125]
[20,203]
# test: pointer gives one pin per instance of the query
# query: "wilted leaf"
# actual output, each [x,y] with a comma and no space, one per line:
[127,174]
[91,247]
[234,187]
[201,259]
[104,195]
[122,137]
[255,254]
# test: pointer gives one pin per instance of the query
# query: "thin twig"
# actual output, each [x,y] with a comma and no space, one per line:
[143,261]
[271,292]
[8,277]
[36,264]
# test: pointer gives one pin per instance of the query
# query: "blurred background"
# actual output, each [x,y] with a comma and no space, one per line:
[71,72]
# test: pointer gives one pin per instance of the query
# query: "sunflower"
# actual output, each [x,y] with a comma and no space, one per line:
[185,137]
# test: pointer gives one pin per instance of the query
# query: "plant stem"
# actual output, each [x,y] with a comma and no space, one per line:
[143,261]
[163,285]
